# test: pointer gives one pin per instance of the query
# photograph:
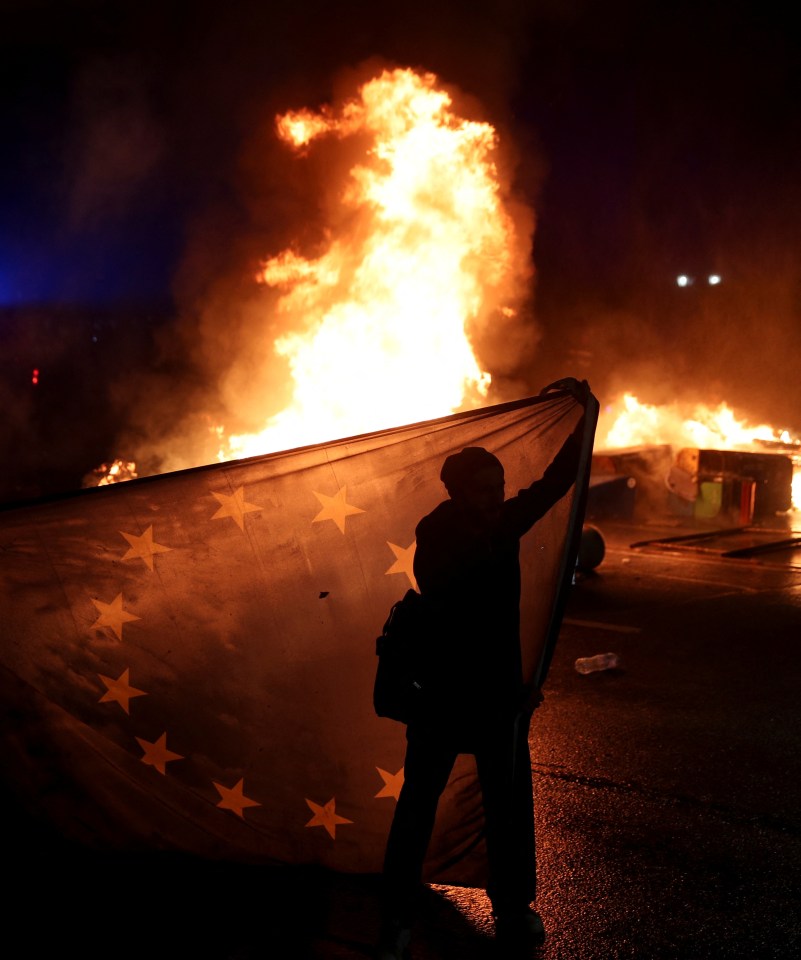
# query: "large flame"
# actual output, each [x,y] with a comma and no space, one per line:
[423,246]
[629,423]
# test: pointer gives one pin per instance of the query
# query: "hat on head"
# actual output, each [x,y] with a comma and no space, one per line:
[459,467]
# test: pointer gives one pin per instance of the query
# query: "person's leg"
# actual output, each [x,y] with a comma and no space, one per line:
[427,767]
[504,770]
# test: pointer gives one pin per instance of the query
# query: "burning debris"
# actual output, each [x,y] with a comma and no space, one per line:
[703,463]
[740,484]
[115,472]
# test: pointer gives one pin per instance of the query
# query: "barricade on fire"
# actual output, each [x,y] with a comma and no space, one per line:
[739,485]
[732,486]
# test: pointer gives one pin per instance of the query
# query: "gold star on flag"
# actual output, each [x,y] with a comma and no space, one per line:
[392,783]
[404,561]
[234,506]
[112,615]
[120,690]
[326,816]
[234,799]
[143,548]
[335,508]
[157,754]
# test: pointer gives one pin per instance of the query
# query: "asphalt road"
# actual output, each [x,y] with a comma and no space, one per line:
[668,790]
[666,799]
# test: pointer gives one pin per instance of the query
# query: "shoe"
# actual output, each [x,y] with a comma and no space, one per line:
[519,929]
[393,944]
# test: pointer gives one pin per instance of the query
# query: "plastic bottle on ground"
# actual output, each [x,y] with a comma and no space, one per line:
[601,661]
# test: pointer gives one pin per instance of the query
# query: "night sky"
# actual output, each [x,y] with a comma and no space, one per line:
[139,171]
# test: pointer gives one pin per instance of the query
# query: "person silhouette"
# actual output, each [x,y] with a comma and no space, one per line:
[467,569]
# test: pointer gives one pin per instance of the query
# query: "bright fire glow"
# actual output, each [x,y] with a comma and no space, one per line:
[115,472]
[629,423]
[422,247]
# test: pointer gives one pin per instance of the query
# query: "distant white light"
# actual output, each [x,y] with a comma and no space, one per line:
[683,280]
[714,279]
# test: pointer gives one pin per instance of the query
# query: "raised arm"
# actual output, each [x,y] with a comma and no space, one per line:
[520,513]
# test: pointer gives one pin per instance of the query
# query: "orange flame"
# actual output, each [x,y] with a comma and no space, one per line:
[118,471]
[380,319]
[629,423]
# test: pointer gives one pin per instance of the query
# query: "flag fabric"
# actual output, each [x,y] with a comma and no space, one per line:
[187,661]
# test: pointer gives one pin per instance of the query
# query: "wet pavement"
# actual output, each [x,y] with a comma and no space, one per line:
[667,800]
[668,790]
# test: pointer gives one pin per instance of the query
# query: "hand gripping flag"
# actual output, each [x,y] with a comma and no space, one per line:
[187,660]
